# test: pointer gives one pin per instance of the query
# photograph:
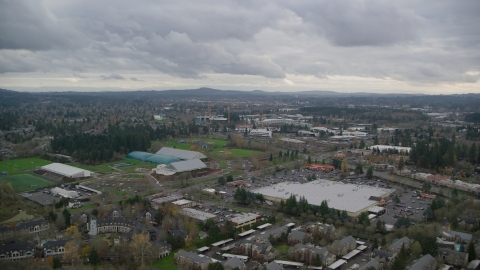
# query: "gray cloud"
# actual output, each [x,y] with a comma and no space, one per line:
[135,79]
[112,77]
[433,41]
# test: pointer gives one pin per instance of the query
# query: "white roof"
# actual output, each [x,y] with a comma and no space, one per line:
[289,263]
[181,202]
[202,249]
[198,215]
[181,154]
[351,254]
[64,193]
[244,217]
[291,224]
[246,233]
[264,226]
[187,165]
[336,264]
[386,147]
[376,209]
[228,255]
[340,196]
[66,170]
[219,243]
[362,247]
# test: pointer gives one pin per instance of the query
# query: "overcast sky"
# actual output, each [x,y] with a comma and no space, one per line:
[427,46]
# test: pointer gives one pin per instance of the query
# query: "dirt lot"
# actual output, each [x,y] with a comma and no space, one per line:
[117,187]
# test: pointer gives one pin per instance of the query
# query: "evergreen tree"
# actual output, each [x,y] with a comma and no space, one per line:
[369,173]
[472,254]
[271,157]
[472,153]
[309,160]
[94,258]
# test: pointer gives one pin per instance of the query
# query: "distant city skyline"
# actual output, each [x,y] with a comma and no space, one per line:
[430,47]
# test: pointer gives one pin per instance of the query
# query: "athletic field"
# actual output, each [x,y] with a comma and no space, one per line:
[19,166]
[25,182]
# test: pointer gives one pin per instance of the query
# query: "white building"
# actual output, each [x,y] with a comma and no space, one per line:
[64,193]
[180,166]
[198,215]
[400,149]
[245,219]
[66,170]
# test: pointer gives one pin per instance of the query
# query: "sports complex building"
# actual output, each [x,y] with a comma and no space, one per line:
[67,171]
[352,198]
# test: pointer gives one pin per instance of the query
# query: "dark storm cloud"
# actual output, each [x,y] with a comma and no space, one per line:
[417,41]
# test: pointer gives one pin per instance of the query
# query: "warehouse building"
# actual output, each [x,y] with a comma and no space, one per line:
[69,194]
[241,220]
[198,215]
[180,166]
[340,196]
[180,154]
[66,170]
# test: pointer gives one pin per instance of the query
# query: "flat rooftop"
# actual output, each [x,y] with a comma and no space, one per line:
[198,215]
[340,196]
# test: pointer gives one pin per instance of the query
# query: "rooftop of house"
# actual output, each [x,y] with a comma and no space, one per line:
[235,262]
[16,246]
[424,263]
[382,254]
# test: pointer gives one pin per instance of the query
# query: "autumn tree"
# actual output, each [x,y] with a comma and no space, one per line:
[344,167]
[141,247]
[72,232]
[71,253]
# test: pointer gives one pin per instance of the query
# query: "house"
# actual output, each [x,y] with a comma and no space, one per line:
[34,226]
[295,237]
[113,225]
[343,246]
[452,257]
[258,249]
[467,222]
[396,246]
[115,212]
[17,251]
[234,263]
[164,248]
[371,264]
[320,228]
[275,233]
[427,262]
[150,215]
[308,254]
[460,236]
[191,260]
[54,248]
[274,266]
[383,257]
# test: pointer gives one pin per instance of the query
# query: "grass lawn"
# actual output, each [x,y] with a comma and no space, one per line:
[105,168]
[18,166]
[83,207]
[24,182]
[225,153]
[165,263]
[282,248]
[223,164]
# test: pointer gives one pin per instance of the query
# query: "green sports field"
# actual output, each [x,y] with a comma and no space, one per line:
[24,182]
[19,166]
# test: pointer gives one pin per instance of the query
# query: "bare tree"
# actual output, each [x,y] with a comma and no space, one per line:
[141,247]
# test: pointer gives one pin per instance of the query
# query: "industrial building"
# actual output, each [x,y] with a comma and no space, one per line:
[184,203]
[241,220]
[69,194]
[198,215]
[349,197]
[66,170]
[180,166]
[180,154]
